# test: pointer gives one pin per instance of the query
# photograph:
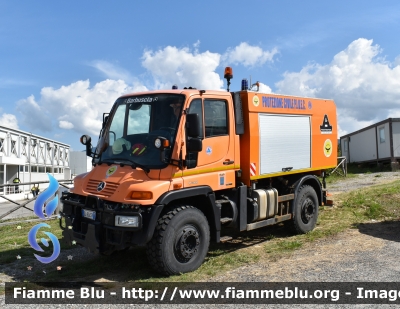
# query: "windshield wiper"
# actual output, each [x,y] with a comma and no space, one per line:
[133,163]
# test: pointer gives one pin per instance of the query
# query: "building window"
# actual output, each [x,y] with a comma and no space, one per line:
[41,169]
[1,177]
[382,135]
[33,168]
[48,169]
[345,145]
[24,168]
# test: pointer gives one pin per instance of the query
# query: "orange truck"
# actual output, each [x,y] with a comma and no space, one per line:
[173,169]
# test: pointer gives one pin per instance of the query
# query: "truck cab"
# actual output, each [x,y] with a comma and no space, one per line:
[155,149]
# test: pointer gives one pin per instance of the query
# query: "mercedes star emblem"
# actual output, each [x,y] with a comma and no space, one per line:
[101,186]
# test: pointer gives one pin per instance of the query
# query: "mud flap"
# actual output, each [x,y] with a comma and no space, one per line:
[326,199]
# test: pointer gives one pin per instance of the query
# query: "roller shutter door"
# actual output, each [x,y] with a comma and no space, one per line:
[285,141]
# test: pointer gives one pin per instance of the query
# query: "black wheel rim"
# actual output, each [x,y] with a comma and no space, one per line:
[307,211]
[187,244]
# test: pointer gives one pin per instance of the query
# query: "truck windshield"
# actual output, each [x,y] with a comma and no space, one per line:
[135,122]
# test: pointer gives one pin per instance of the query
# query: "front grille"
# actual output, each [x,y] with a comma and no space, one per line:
[108,190]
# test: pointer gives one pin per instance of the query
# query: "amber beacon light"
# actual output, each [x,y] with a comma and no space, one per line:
[228,75]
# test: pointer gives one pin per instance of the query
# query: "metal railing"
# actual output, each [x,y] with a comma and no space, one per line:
[341,168]
[17,190]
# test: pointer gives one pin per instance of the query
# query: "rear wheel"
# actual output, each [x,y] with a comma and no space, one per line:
[305,210]
[180,241]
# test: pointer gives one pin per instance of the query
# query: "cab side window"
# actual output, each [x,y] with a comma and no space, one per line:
[215,118]
[117,126]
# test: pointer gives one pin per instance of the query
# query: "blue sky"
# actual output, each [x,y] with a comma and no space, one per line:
[62,64]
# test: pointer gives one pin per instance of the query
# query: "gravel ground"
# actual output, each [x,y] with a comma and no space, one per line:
[362,180]
[367,254]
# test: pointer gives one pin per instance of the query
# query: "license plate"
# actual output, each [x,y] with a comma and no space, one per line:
[90,214]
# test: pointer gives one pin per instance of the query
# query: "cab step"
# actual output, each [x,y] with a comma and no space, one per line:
[329,202]
[225,220]
[225,239]
[222,201]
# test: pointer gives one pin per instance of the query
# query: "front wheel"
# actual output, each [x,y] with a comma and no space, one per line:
[180,241]
[306,210]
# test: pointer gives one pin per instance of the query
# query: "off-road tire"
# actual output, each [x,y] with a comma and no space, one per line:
[305,211]
[180,241]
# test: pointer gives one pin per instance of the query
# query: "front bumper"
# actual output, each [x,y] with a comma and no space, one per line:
[101,234]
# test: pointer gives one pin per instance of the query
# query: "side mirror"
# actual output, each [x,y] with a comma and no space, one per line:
[194,145]
[193,125]
[86,140]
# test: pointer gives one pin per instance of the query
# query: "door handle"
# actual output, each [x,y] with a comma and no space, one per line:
[228,162]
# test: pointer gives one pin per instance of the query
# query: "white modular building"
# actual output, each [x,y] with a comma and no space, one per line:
[30,157]
[376,143]
[80,163]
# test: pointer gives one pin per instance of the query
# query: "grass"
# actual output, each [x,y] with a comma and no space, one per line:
[14,240]
[266,244]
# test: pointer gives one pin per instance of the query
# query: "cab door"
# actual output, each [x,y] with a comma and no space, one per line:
[216,132]
[214,165]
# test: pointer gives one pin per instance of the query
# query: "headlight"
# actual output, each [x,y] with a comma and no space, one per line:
[161,143]
[85,139]
[127,221]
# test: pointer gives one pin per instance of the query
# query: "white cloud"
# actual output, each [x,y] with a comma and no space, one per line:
[7,82]
[397,61]
[111,71]
[186,67]
[65,124]
[264,88]
[196,45]
[80,107]
[183,67]
[76,106]
[9,121]
[248,55]
[35,116]
[365,87]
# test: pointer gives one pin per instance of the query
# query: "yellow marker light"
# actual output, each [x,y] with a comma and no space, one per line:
[141,195]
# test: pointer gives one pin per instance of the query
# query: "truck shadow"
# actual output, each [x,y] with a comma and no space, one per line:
[388,230]
[123,266]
